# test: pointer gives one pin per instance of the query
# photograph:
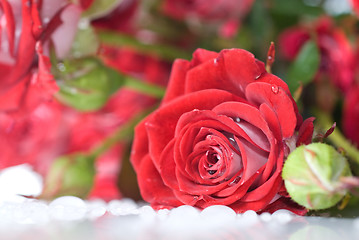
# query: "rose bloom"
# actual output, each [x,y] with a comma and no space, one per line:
[36,138]
[220,136]
[351,115]
[337,56]
[26,28]
[226,12]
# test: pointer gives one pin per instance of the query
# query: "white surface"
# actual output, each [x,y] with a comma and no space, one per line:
[69,217]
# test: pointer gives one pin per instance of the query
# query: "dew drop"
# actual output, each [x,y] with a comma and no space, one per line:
[234,182]
[83,24]
[275,89]
[46,20]
[257,77]
[61,67]
[212,172]
[237,119]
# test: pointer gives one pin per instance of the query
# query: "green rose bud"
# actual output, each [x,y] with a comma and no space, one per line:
[69,175]
[313,173]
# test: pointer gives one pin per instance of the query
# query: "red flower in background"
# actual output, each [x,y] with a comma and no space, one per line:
[26,27]
[226,12]
[220,136]
[337,56]
[48,129]
[355,5]
[121,19]
[351,115]
[36,139]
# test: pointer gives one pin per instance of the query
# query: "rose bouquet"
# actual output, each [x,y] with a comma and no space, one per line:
[248,104]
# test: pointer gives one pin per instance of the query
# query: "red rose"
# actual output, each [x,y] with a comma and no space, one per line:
[227,13]
[220,136]
[122,18]
[36,139]
[26,28]
[337,55]
[351,115]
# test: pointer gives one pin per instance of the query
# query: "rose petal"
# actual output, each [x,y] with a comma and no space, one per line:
[161,125]
[139,145]
[202,55]
[151,185]
[241,68]
[176,83]
[278,100]
[253,117]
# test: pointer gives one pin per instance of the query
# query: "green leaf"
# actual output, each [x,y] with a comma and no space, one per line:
[305,66]
[295,7]
[100,8]
[312,175]
[145,88]
[87,84]
[164,51]
[69,175]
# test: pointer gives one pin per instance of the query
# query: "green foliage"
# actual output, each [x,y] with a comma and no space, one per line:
[86,41]
[87,84]
[100,8]
[70,175]
[305,66]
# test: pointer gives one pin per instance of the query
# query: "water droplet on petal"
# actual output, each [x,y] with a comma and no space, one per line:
[211,172]
[234,182]
[46,20]
[275,89]
[237,119]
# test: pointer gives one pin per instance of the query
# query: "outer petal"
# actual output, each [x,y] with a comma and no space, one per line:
[139,145]
[151,185]
[278,100]
[241,68]
[176,84]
